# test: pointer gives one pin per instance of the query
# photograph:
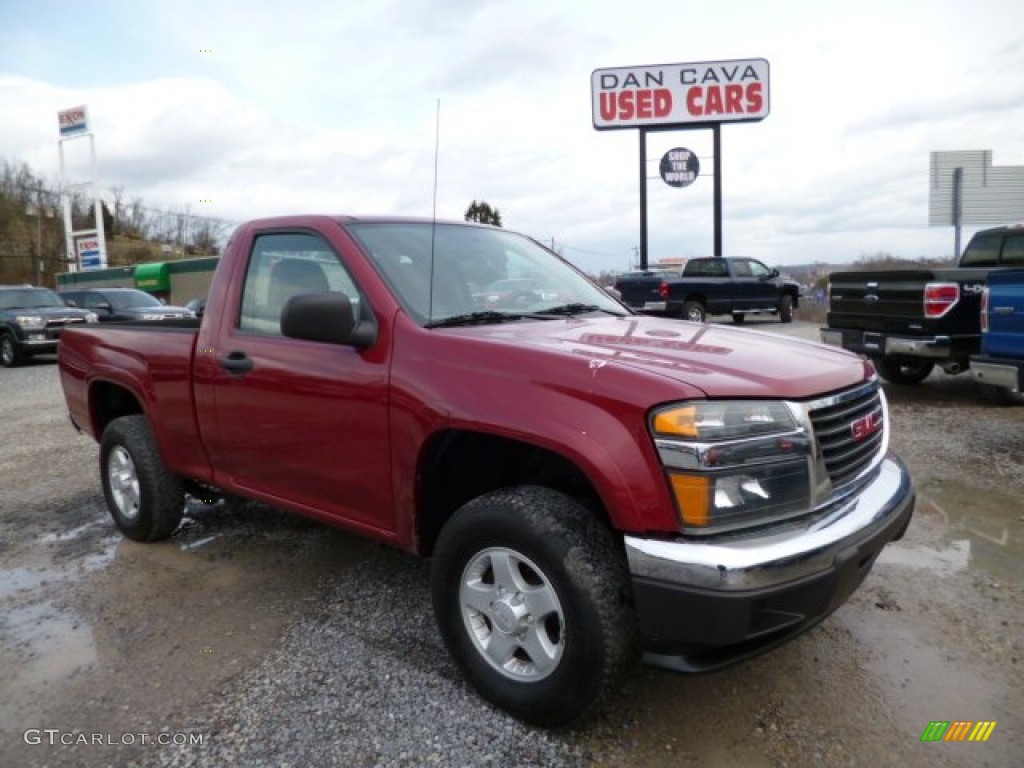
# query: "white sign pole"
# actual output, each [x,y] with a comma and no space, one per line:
[74,124]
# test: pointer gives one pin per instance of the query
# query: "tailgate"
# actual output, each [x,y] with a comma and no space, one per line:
[640,291]
[1005,337]
[893,302]
[878,301]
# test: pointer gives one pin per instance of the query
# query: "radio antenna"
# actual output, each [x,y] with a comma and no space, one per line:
[433,212]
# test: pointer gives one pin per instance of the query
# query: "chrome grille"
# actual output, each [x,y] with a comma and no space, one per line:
[60,322]
[850,432]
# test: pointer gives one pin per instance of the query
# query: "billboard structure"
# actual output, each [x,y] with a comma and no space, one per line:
[701,94]
[84,248]
[965,188]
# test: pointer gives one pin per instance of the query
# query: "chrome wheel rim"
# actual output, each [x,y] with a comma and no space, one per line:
[6,350]
[512,614]
[124,482]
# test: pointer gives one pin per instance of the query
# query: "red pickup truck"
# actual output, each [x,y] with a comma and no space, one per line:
[589,483]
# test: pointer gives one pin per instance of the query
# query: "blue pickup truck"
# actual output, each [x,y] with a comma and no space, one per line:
[1000,365]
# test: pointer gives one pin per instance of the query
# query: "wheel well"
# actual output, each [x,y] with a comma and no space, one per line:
[458,466]
[696,297]
[110,401]
[795,294]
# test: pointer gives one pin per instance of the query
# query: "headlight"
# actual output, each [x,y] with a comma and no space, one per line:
[733,464]
[92,317]
[710,420]
[30,321]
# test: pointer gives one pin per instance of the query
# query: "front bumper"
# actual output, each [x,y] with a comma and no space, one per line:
[705,604]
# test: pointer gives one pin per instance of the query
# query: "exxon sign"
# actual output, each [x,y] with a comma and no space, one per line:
[73,121]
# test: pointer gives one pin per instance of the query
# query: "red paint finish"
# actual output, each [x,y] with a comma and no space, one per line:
[338,432]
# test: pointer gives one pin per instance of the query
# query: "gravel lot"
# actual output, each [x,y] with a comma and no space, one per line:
[282,642]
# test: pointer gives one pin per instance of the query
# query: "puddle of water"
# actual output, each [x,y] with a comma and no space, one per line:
[963,529]
[945,562]
[74,533]
[56,643]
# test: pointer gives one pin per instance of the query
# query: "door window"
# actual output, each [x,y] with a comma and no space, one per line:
[283,265]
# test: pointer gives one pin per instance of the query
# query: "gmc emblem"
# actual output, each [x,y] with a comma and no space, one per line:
[866,426]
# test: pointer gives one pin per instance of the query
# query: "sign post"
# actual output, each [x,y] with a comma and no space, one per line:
[84,249]
[677,97]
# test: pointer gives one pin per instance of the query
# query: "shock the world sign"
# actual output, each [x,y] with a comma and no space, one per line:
[673,94]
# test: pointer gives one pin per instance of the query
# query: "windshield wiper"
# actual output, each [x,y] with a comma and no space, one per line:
[480,318]
[575,309]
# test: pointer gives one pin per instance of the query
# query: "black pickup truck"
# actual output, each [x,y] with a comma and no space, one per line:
[712,286]
[909,321]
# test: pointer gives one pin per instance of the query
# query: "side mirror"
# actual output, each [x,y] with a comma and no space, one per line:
[105,306]
[773,274]
[326,317]
[71,302]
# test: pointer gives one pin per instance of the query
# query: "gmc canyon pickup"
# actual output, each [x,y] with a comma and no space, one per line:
[589,483]
[712,286]
[910,320]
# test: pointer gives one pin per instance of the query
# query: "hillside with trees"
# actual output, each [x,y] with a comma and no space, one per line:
[32,244]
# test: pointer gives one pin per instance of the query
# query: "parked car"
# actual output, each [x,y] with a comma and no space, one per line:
[31,320]
[909,321]
[587,482]
[1000,364]
[122,304]
[712,286]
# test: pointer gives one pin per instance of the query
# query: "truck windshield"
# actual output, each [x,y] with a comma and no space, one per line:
[29,298]
[444,272]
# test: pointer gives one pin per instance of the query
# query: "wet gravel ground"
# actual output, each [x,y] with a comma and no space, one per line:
[281,642]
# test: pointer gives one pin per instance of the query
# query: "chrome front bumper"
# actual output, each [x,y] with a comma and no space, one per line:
[791,552]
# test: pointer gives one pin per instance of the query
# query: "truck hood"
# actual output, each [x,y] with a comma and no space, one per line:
[719,360]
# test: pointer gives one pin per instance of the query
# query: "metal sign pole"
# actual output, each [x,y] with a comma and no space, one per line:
[716,129]
[643,197]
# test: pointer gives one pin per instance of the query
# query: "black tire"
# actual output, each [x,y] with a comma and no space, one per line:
[11,354]
[904,373]
[786,308]
[146,501]
[534,551]
[1001,395]
[694,312]
[739,318]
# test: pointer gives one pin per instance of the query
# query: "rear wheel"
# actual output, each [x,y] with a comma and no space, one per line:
[694,312]
[532,599]
[146,501]
[786,308]
[904,373]
[10,354]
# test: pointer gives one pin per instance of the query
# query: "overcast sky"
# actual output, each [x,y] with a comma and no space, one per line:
[268,107]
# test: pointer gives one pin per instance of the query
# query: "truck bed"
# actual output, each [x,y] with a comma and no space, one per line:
[156,356]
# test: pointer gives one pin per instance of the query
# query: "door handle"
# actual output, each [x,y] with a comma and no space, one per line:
[236,363]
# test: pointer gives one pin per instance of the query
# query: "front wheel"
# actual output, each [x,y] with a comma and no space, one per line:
[532,598]
[904,373]
[786,309]
[10,355]
[145,499]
